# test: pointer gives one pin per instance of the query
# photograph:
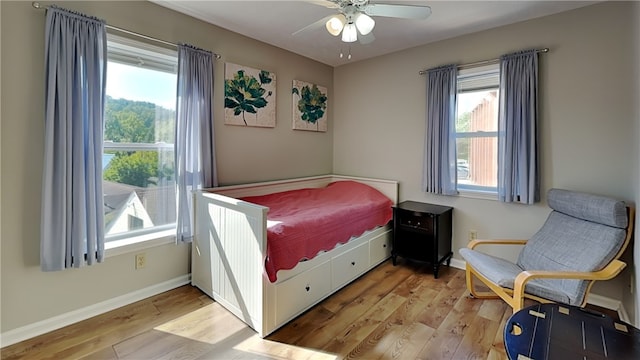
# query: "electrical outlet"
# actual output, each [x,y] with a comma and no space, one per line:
[141,261]
[473,234]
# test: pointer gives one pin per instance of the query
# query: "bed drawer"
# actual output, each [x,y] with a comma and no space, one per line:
[348,266]
[380,248]
[301,291]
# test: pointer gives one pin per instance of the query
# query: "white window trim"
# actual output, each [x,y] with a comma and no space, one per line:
[477,194]
[132,52]
[140,242]
[477,78]
[472,79]
[136,53]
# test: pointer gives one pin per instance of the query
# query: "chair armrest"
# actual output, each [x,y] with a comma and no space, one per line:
[609,272]
[473,243]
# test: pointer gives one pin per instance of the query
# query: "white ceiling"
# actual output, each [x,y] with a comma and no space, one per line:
[274,22]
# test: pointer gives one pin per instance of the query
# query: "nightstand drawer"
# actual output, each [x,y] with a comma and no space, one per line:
[415,220]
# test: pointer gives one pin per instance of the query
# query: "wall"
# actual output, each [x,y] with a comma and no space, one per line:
[587,128]
[632,300]
[589,138]
[244,154]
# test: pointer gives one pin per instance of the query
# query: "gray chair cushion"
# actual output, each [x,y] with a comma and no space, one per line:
[584,232]
[566,243]
[589,207]
[503,273]
[499,271]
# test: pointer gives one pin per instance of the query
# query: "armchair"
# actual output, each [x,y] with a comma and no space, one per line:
[580,242]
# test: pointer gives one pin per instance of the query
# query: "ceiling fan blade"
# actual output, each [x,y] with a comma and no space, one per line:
[329,4]
[314,25]
[366,39]
[397,11]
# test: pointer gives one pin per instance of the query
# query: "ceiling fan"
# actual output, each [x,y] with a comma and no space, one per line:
[355,17]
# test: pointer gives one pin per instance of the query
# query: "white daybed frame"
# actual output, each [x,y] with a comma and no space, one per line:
[229,250]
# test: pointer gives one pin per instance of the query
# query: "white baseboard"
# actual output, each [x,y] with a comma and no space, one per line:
[609,303]
[593,299]
[623,315]
[458,264]
[41,327]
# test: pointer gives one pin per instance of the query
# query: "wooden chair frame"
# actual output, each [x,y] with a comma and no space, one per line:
[515,298]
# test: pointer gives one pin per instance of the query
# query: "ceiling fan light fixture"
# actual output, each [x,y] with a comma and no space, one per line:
[349,33]
[335,25]
[364,23]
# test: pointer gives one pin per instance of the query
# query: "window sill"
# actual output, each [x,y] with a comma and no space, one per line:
[483,195]
[137,243]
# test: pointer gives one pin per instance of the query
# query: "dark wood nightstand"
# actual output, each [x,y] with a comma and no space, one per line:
[422,232]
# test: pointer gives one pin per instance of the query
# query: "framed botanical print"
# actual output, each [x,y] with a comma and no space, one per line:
[249,96]
[309,106]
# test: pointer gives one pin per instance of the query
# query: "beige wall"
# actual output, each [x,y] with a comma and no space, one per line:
[632,301]
[244,154]
[376,128]
[587,129]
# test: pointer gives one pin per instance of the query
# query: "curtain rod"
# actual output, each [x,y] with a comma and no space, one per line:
[483,62]
[37,5]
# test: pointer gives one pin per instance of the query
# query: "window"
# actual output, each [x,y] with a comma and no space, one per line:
[477,129]
[135,223]
[138,161]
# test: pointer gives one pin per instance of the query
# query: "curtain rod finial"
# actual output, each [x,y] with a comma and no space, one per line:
[36,5]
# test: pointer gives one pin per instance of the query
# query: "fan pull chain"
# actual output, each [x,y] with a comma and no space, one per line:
[342,54]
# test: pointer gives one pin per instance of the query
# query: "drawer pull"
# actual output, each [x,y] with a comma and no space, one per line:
[307,287]
[353,263]
[384,245]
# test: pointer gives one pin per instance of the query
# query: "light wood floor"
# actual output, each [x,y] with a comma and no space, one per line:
[392,312]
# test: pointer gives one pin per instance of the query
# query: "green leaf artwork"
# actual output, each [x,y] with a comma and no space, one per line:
[249,96]
[309,106]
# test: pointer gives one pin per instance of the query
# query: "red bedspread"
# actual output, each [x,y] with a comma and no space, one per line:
[301,223]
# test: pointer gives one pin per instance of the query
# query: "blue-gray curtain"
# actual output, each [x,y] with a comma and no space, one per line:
[439,166]
[72,218]
[518,163]
[194,143]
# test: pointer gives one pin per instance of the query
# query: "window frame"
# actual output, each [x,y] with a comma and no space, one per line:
[477,78]
[136,53]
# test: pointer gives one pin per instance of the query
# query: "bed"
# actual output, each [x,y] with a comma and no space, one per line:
[229,253]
